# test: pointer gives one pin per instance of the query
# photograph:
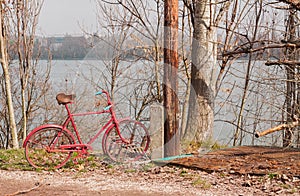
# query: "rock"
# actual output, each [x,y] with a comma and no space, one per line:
[285,178]
[247,184]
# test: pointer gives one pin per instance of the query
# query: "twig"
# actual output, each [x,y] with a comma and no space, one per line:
[25,191]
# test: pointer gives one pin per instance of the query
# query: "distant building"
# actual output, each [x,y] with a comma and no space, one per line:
[67,47]
[54,43]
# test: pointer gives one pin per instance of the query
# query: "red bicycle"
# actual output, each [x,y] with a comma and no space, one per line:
[51,145]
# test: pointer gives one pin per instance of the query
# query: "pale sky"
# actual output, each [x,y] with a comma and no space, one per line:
[60,17]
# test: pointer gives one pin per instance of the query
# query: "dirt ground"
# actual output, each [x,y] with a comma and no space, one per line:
[233,171]
[253,160]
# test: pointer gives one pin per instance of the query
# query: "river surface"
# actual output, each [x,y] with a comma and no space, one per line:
[85,77]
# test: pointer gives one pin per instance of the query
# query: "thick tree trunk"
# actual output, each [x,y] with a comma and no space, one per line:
[201,106]
[291,99]
[171,136]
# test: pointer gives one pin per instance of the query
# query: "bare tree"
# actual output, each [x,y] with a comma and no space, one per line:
[28,79]
[201,104]
[262,41]
[257,17]
[5,67]
[26,18]
[140,54]
[146,22]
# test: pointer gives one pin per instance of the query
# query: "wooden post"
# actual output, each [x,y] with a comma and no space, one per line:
[171,136]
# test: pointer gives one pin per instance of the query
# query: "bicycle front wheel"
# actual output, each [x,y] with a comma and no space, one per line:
[137,137]
[42,148]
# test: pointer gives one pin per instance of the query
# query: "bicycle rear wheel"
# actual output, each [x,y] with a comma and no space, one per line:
[42,149]
[138,142]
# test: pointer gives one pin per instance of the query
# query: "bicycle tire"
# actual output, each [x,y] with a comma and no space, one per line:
[138,142]
[42,139]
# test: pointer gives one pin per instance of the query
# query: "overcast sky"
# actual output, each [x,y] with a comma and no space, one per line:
[59,17]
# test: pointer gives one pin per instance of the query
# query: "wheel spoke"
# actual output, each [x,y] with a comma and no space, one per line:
[138,142]
[40,148]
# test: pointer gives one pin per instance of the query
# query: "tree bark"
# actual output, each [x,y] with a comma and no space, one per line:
[291,99]
[171,136]
[202,95]
[5,67]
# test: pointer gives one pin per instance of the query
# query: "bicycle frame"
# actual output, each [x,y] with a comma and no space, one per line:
[112,121]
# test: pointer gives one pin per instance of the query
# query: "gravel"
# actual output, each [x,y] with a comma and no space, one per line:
[143,180]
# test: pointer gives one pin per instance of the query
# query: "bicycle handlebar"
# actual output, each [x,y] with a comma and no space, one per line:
[109,102]
[107,107]
[101,92]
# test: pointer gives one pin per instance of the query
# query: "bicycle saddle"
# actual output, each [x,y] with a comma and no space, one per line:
[62,98]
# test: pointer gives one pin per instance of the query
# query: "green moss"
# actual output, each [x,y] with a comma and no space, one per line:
[130,170]
[147,167]
[223,175]
[286,186]
[199,182]
[14,159]
[217,146]
[194,146]
[273,176]
[183,173]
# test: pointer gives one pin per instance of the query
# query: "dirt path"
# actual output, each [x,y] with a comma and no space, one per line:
[160,181]
[225,179]
[95,183]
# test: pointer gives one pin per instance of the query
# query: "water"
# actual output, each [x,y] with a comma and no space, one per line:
[263,108]
[86,77]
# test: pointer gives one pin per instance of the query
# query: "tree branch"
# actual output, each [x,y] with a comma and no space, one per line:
[282,62]
[293,3]
[246,50]
[277,128]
